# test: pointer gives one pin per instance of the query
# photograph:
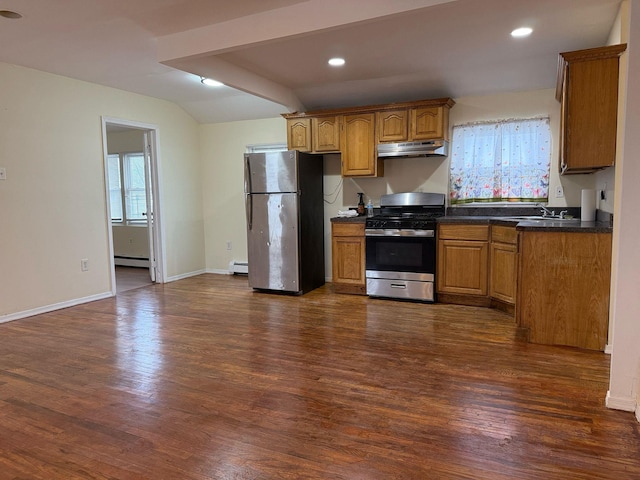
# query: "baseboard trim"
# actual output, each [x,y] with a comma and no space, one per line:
[218,271]
[54,306]
[627,404]
[608,349]
[186,275]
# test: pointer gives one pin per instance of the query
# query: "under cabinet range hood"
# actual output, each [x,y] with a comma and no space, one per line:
[432,148]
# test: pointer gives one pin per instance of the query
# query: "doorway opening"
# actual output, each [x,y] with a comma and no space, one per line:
[133,210]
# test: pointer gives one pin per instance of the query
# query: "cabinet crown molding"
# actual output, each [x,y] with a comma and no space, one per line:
[436,102]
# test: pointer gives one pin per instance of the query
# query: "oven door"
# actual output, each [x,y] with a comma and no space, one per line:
[403,253]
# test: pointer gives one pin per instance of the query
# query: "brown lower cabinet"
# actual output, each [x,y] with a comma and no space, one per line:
[563,288]
[463,253]
[348,257]
[503,268]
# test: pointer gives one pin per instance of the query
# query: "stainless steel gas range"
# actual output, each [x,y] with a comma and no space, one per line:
[401,246]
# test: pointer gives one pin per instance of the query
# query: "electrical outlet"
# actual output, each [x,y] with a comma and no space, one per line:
[3,173]
[228,245]
[559,191]
[84,264]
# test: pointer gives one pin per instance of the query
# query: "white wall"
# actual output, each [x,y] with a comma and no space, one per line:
[624,390]
[53,205]
[131,241]
[222,148]
[605,179]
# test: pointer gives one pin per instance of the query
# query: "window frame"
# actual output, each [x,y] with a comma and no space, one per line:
[124,189]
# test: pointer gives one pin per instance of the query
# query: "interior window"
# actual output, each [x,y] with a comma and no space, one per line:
[127,187]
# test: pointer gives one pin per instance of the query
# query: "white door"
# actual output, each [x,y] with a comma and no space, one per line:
[148,155]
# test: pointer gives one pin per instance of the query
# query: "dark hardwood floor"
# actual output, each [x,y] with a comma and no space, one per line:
[205,379]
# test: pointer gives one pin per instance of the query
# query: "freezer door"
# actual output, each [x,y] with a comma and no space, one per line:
[272,238]
[272,172]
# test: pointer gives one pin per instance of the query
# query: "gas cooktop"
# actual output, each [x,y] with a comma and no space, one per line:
[415,210]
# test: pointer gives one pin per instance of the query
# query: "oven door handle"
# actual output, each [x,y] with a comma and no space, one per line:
[394,232]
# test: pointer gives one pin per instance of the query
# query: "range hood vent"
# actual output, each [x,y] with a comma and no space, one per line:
[433,148]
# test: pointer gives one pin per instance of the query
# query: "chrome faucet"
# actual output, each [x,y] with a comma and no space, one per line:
[546,212]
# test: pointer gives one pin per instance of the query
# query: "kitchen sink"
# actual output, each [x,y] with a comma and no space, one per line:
[541,219]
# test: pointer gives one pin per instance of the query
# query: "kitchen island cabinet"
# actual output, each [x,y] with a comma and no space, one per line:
[563,288]
[348,257]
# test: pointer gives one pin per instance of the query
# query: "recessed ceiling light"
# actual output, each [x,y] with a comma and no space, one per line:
[210,82]
[521,32]
[10,14]
[336,62]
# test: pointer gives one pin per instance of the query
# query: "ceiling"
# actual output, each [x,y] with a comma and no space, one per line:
[272,54]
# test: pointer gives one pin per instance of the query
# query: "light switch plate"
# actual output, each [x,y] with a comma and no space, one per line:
[3,173]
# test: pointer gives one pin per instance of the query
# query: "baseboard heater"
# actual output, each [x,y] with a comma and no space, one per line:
[238,268]
[130,261]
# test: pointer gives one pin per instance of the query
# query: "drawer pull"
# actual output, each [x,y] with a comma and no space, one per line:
[399,285]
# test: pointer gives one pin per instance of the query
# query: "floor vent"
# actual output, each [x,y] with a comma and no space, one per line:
[238,268]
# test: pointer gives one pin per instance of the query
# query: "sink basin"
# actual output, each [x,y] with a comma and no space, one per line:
[540,218]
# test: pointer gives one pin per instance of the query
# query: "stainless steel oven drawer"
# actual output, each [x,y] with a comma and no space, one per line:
[406,289]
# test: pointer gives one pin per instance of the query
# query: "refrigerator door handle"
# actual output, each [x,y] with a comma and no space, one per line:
[247,175]
[248,205]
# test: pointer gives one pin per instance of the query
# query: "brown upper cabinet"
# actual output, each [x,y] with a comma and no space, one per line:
[355,132]
[587,90]
[325,134]
[359,156]
[393,126]
[299,134]
[414,123]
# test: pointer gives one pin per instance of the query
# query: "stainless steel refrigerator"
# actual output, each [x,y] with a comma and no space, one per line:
[285,221]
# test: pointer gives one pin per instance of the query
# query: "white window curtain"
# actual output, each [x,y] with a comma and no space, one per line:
[504,161]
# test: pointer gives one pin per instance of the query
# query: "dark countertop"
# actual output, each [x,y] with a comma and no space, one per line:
[537,225]
[359,219]
[603,225]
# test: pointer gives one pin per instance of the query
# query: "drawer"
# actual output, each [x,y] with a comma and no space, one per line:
[503,234]
[347,229]
[463,232]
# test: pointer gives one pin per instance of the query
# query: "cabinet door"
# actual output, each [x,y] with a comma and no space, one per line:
[589,108]
[359,158]
[392,126]
[325,134]
[503,272]
[299,134]
[462,267]
[348,258]
[427,123]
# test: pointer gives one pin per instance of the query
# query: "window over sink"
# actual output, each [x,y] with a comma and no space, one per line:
[500,161]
